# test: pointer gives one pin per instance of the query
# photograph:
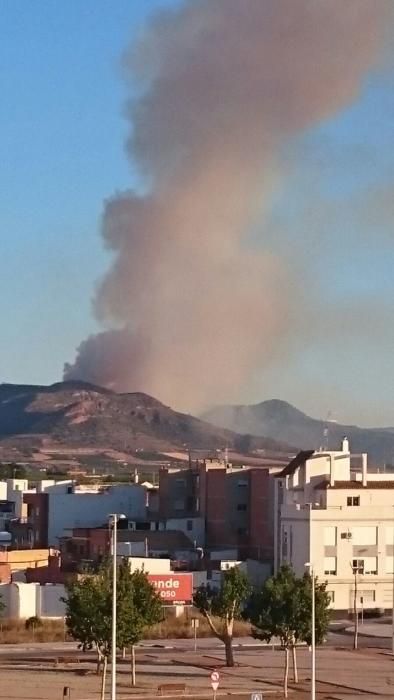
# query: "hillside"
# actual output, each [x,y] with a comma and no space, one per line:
[80,415]
[280,420]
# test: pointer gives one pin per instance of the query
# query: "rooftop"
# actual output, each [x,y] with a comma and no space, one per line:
[296,462]
[377,485]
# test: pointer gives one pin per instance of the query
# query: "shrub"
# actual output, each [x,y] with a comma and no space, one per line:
[33,623]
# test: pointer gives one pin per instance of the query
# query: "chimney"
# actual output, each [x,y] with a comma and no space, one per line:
[332,477]
[345,445]
[364,458]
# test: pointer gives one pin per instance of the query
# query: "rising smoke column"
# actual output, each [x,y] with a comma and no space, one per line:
[197,309]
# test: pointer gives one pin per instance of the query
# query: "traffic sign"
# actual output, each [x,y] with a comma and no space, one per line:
[256,695]
[215,677]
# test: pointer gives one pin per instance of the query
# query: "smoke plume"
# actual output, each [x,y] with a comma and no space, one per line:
[194,306]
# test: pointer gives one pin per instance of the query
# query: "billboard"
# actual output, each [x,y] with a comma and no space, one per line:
[173,589]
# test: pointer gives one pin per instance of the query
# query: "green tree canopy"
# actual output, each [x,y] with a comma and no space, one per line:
[221,607]
[89,609]
[282,609]
[12,471]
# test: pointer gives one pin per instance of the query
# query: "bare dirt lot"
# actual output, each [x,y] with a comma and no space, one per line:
[342,675]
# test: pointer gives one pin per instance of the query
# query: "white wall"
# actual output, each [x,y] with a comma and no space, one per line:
[49,603]
[20,599]
[345,524]
[150,565]
[361,532]
[195,534]
[71,510]
[130,549]
[24,600]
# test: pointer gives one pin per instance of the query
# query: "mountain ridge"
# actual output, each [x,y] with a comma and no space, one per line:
[275,417]
[82,414]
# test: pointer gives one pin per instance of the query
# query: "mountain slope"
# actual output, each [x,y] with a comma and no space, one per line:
[80,414]
[280,420]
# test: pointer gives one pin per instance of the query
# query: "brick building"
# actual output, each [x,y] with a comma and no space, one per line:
[236,504]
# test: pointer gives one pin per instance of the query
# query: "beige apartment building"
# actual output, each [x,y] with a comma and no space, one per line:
[332,513]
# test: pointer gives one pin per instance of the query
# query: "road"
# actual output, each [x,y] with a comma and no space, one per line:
[339,639]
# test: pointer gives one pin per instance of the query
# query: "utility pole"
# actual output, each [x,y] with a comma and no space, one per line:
[355,611]
[313,612]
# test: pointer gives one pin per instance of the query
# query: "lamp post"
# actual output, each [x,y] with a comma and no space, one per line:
[113,519]
[313,612]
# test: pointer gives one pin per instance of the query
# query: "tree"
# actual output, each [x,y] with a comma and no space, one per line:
[88,617]
[282,608]
[89,611]
[12,471]
[222,607]
[139,607]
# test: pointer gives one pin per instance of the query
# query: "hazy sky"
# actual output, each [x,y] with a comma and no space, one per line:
[62,154]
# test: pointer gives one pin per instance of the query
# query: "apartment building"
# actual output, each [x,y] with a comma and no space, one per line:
[335,515]
[235,504]
[55,507]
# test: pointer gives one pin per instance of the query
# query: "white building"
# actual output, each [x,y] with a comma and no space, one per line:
[332,513]
[24,600]
[69,508]
[64,506]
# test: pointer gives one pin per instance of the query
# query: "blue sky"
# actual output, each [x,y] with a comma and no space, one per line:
[62,154]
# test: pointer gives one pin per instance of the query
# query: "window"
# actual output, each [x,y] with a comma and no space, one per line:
[179,504]
[242,507]
[242,531]
[330,536]
[180,483]
[364,535]
[242,483]
[389,565]
[330,566]
[189,525]
[331,595]
[366,597]
[390,535]
[358,566]
[353,500]
[368,565]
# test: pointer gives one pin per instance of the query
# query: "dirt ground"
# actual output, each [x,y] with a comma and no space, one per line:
[341,674]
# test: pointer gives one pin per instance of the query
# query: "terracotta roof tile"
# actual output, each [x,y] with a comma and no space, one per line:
[382,485]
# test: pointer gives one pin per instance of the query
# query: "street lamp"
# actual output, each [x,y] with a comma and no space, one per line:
[113,519]
[313,614]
